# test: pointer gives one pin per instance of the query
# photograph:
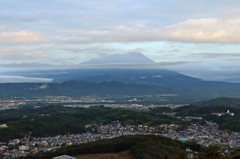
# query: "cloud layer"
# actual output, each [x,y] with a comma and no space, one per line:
[51,34]
[21,79]
[21,37]
[224,30]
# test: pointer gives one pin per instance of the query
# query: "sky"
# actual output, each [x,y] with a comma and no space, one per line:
[199,38]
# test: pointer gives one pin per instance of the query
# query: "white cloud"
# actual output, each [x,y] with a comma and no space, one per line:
[38,53]
[138,50]
[204,31]
[175,50]
[21,53]
[7,51]
[21,79]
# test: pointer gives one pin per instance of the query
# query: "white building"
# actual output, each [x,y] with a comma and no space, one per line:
[23,148]
[64,157]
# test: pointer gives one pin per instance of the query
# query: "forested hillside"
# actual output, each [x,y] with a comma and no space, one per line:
[73,122]
[222,101]
[225,122]
[16,114]
[204,110]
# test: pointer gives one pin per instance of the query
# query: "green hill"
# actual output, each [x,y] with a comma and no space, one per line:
[141,147]
[224,101]
[225,122]
[204,110]
[15,114]
[73,122]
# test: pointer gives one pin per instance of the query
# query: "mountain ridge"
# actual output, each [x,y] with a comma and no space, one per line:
[74,88]
[164,82]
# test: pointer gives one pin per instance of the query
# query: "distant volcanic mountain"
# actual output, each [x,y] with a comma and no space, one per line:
[120,58]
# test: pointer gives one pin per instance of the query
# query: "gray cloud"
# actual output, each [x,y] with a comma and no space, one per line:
[193,28]
[216,55]
[42,15]
[41,66]
[214,71]
[216,30]
[4,68]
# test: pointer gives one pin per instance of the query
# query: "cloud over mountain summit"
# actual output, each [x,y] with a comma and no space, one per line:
[121,58]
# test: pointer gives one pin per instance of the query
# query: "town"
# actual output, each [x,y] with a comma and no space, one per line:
[208,134]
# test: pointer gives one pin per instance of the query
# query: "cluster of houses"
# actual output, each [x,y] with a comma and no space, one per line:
[221,114]
[112,130]
[205,135]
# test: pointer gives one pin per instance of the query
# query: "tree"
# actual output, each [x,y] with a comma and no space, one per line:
[166,156]
[211,152]
[183,155]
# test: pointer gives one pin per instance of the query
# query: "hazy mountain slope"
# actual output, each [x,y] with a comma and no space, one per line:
[165,80]
[99,78]
[79,74]
[74,88]
[120,58]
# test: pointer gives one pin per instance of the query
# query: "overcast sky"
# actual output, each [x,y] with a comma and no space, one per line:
[67,32]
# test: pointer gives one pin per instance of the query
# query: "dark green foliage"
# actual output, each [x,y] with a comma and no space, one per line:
[142,147]
[156,148]
[193,145]
[210,152]
[234,155]
[40,126]
[166,156]
[182,155]
[226,122]
[74,119]
[16,114]
[161,109]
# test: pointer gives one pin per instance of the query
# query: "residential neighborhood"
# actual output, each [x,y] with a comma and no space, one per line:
[205,135]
